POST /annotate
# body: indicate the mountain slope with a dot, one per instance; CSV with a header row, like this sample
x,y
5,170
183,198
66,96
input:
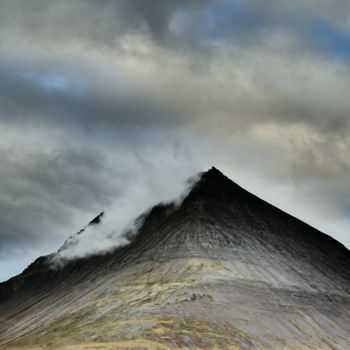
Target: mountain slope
x,y
224,270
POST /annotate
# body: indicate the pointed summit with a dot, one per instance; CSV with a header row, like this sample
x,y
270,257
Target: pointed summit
x,y
213,175
214,188
214,171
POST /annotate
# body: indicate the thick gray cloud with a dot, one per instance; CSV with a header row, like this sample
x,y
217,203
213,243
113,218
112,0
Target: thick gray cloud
x,y
42,189
96,22
111,105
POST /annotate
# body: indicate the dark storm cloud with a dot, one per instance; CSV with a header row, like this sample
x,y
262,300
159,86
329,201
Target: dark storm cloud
x,y
43,189
59,98
179,23
100,22
47,97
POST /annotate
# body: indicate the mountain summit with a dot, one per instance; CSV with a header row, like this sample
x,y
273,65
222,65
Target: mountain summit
x,y
223,270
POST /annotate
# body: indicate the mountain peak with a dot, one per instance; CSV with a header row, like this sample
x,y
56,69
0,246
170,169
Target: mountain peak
x,y
214,170
213,186
213,174
272,280
214,177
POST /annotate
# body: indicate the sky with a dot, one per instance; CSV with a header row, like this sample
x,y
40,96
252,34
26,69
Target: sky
x,y
112,105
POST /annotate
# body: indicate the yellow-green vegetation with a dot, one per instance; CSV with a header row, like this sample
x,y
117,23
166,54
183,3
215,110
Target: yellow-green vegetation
x,y
144,307
128,314
163,334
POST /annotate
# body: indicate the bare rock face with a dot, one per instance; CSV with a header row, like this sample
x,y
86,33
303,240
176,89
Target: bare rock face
x,y
224,270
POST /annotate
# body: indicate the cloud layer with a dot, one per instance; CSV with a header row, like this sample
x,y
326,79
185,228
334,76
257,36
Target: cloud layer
x,y
111,105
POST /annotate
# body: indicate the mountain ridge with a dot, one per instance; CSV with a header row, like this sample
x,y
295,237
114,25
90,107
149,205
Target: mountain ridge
x,y
223,258
207,187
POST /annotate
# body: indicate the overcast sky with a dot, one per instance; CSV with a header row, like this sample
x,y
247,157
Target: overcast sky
x,y
111,105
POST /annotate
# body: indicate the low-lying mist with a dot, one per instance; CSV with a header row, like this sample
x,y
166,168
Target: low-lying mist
x,y
118,226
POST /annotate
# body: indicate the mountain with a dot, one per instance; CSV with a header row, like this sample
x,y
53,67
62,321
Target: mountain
x,y
223,270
